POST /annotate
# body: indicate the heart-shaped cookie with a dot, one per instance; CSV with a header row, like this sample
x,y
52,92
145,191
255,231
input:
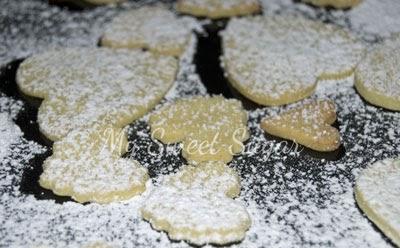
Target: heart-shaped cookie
x,y
377,192
309,125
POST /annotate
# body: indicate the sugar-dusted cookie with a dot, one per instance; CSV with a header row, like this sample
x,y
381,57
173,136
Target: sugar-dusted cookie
x,y
212,176
154,28
215,9
82,86
210,128
84,3
196,216
309,125
338,4
275,60
377,192
377,76
87,165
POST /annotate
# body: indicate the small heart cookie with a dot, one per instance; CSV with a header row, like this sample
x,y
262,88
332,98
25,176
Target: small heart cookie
x,y
210,128
309,125
87,166
154,28
215,9
377,192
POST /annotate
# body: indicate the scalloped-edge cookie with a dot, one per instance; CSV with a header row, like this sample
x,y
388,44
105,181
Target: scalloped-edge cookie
x,y
210,128
377,76
309,125
196,216
377,192
151,27
338,4
82,86
276,60
215,9
87,166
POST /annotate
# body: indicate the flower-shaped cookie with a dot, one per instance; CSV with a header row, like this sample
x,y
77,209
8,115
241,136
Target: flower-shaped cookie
x,y
210,128
154,28
87,165
195,205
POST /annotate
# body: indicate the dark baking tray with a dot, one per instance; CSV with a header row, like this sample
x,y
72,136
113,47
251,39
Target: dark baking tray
x,y
208,67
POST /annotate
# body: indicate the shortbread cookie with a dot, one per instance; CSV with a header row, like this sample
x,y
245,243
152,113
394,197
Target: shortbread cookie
x,y
87,166
275,60
154,28
210,128
309,125
82,86
215,9
211,176
377,192
377,76
196,215
338,4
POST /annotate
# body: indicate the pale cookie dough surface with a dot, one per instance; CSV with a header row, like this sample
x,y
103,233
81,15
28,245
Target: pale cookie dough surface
x,y
339,4
154,28
377,76
210,128
275,60
87,166
377,192
81,86
196,216
211,176
215,9
309,125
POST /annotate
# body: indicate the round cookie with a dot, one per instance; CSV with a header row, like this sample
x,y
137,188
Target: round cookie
x,y
211,176
377,192
276,60
210,128
154,28
215,9
196,216
377,76
338,4
87,166
82,86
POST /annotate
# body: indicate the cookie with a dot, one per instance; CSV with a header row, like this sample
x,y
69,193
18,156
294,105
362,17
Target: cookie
x,y
87,166
195,205
215,9
154,28
309,125
212,176
210,128
377,76
276,60
377,192
82,86
338,4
